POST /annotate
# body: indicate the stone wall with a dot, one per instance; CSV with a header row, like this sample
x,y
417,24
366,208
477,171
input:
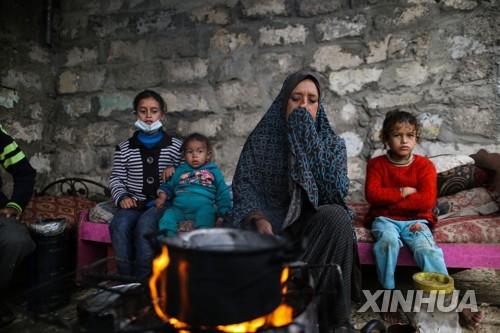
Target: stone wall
x,y
220,63
27,81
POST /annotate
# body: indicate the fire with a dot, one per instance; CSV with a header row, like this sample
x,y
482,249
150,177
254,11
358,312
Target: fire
x,y
281,316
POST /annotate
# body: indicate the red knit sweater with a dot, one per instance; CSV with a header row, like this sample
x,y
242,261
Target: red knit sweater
x,y
382,189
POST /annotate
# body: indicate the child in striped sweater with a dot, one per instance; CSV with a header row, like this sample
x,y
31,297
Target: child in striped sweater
x,y
138,165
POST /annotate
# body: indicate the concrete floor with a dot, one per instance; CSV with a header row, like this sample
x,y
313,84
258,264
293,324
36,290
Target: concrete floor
x,y
485,283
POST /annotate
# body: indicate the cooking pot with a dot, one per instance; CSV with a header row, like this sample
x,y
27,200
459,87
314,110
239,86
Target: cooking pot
x,y
223,276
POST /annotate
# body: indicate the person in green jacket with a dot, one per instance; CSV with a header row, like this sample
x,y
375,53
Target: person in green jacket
x,y
15,241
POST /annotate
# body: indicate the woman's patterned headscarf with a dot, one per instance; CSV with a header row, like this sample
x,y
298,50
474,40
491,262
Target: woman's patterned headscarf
x,y
281,153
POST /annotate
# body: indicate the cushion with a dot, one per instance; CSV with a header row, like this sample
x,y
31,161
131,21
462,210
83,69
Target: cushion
x,y
449,161
51,207
460,178
360,210
475,201
458,229
468,229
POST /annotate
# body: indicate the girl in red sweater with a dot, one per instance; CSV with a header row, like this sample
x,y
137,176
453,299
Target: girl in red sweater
x,y
401,189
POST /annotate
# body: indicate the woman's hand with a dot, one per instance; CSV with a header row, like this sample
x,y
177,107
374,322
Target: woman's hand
x,y
406,191
264,227
128,203
167,173
10,212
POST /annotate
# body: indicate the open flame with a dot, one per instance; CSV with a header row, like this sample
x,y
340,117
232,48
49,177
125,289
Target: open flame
x,y
281,316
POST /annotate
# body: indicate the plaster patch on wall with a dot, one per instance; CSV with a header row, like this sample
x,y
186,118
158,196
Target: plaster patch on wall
x,y
8,98
41,163
353,142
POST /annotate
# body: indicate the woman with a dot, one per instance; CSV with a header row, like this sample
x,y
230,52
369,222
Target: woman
x,y
137,166
292,179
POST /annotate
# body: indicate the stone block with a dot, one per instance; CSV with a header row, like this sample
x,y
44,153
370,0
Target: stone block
x,y
353,142
478,91
409,74
471,119
68,82
283,63
41,162
127,51
76,107
344,115
112,25
475,68
334,57
8,97
382,101
431,125
235,94
235,66
461,46
17,79
135,76
100,133
318,7
263,8
244,123
90,7
64,134
181,44
397,47
83,81
77,56
36,111
73,26
39,54
209,126
71,162
109,102
187,99
378,50
105,161
352,80
211,15
399,17
152,22
337,27
185,70
226,153
226,42
291,34
460,4
27,132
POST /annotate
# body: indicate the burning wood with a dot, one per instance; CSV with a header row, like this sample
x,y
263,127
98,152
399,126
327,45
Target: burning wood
x,y
281,316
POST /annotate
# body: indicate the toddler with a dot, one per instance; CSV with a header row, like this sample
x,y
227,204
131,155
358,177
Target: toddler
x,y
197,187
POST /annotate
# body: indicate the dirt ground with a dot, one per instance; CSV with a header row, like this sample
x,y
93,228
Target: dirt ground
x,y
484,282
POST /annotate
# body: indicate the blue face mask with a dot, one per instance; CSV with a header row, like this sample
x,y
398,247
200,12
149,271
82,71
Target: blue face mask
x,y
146,128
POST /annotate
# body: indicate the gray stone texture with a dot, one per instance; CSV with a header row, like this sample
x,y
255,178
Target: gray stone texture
x,y
262,8
219,64
338,27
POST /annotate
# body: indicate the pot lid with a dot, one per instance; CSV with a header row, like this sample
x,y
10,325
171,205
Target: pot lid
x,y
225,240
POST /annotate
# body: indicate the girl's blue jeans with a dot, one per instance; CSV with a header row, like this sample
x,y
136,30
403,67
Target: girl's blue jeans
x,y
128,229
391,234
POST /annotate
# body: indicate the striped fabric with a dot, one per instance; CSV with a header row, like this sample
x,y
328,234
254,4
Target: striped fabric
x,y
13,159
10,154
131,171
